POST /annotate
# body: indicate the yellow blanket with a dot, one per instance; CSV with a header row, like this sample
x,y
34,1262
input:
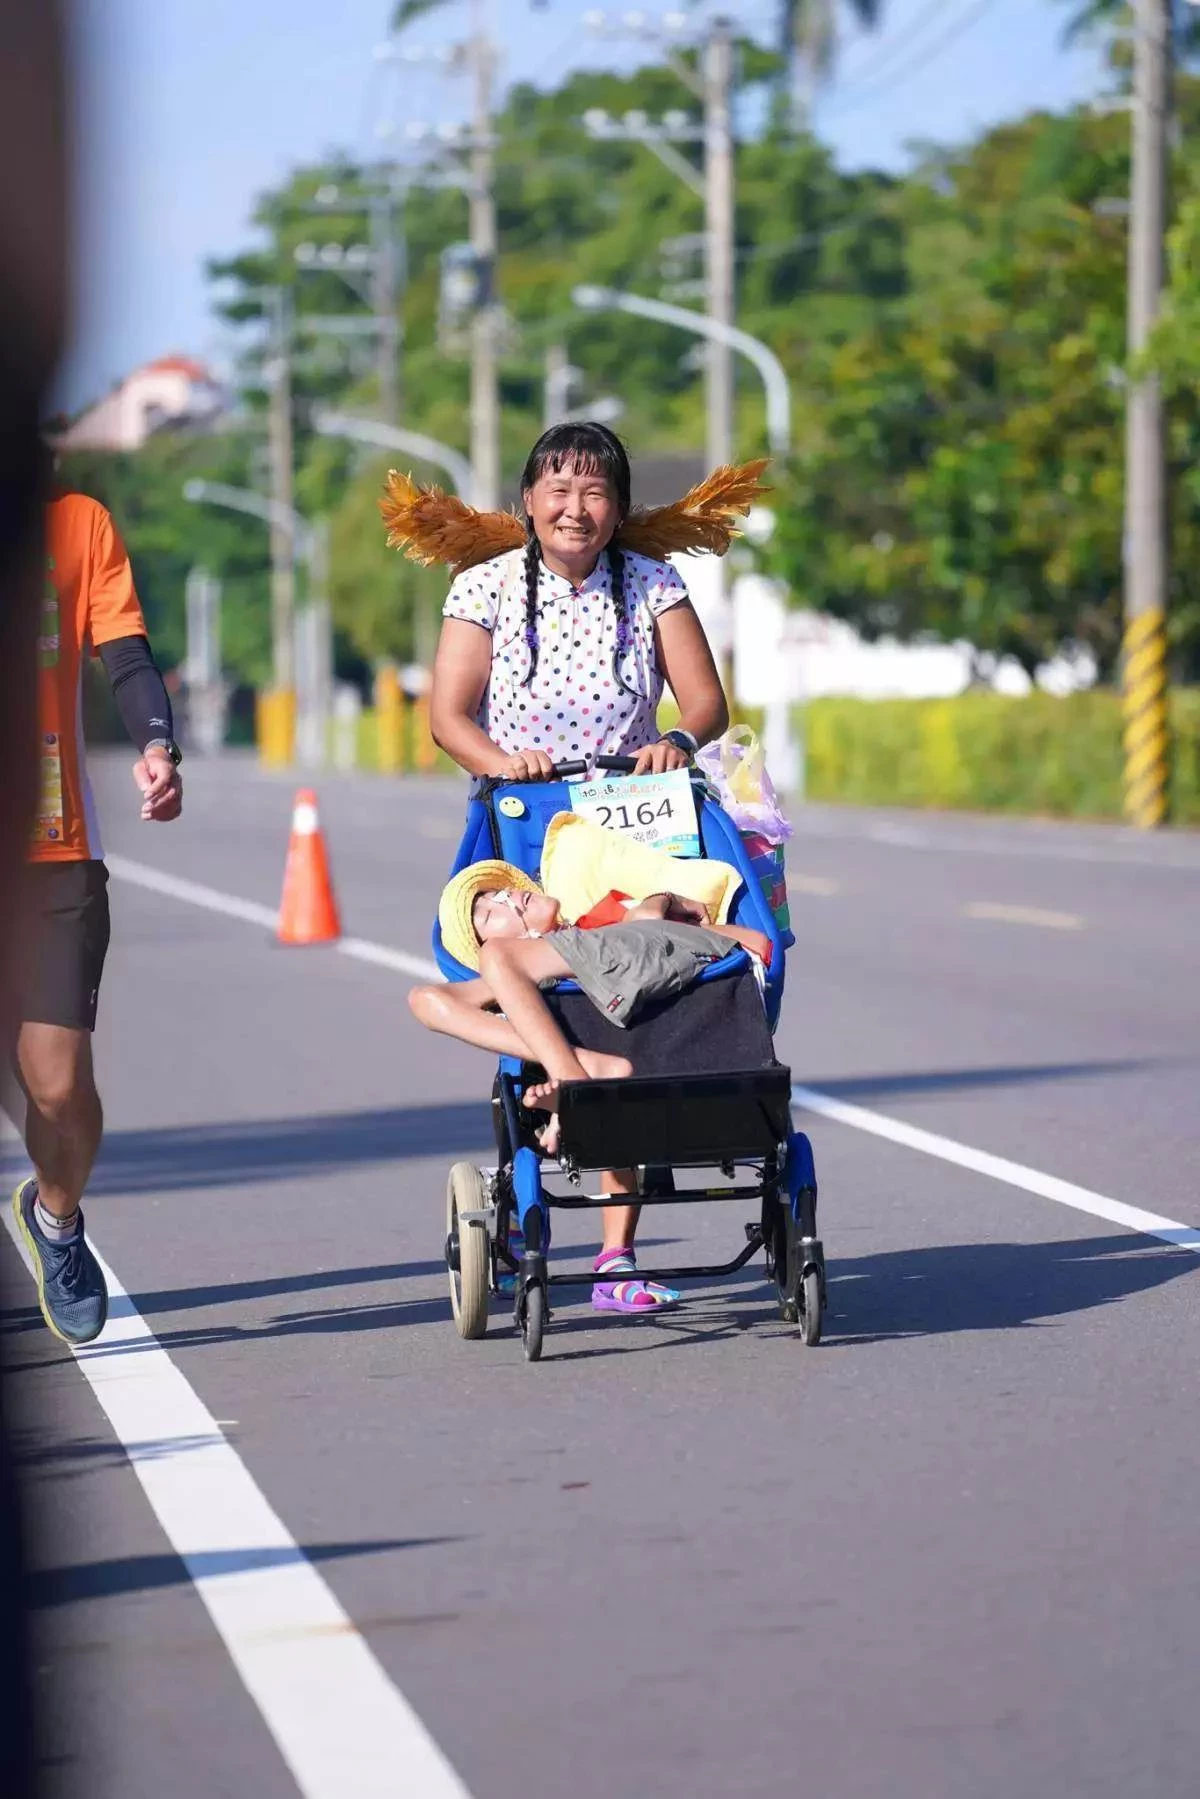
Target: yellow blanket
x,y
582,863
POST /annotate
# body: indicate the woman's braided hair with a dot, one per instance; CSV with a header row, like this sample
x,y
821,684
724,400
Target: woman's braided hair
x,y
587,449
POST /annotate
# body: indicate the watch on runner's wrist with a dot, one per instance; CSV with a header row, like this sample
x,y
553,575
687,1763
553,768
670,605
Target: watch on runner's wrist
x,y
166,743
683,740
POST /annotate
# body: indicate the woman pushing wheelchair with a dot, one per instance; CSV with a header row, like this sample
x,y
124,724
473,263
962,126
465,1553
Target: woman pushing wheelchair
x,y
559,634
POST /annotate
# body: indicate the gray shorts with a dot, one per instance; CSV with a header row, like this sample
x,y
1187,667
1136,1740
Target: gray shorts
x,y
622,967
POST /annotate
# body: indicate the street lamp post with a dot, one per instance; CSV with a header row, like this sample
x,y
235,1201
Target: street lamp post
x,y
383,436
786,751
774,377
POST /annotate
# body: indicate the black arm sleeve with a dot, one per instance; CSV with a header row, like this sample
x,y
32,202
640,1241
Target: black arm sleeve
x,y
138,689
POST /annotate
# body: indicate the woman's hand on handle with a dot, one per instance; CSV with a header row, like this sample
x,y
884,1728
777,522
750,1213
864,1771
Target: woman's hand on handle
x,y
658,758
525,765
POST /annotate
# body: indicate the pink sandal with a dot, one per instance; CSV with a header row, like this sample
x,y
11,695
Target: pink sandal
x,y
634,1298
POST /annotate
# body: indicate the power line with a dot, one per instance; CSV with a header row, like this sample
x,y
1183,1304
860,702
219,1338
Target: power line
x,y
925,55
884,54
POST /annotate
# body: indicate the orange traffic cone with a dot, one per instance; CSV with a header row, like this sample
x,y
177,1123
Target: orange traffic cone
x,y
308,911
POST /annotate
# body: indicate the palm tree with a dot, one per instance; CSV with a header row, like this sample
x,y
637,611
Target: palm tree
x,y
808,29
808,37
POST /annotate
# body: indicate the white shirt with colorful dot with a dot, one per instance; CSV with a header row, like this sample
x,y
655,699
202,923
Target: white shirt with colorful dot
x,y
574,706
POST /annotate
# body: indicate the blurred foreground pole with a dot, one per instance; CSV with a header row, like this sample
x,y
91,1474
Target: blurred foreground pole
x,y
1144,682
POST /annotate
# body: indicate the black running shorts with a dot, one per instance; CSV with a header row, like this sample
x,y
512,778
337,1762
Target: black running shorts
x,y
61,980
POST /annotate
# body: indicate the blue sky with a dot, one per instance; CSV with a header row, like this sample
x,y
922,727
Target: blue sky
x,y
187,109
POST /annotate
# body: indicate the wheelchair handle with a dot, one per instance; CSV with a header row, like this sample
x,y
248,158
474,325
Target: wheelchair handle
x,y
617,765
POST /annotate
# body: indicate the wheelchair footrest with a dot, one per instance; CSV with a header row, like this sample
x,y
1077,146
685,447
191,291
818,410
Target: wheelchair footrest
x,y
687,1119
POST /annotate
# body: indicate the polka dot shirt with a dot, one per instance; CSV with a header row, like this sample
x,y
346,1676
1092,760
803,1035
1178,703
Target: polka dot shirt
x,y
574,706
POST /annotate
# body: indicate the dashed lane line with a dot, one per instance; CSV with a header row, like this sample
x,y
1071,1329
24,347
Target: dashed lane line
x,y
1000,913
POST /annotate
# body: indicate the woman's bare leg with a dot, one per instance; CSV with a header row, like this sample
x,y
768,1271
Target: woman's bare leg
x,y
619,1223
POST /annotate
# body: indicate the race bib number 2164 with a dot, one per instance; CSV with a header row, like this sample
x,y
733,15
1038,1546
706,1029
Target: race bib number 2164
x,y
658,810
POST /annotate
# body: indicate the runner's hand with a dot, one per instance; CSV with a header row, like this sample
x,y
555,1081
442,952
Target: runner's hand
x,y
526,765
161,788
658,757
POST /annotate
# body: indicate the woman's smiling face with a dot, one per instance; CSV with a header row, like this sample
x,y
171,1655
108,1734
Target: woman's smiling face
x,y
574,515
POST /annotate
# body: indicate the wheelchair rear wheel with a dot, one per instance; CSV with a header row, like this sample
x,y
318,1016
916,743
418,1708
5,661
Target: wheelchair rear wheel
x,y
799,1281
468,1250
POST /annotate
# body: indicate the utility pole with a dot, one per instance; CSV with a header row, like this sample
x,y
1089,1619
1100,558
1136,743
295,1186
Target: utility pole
x,y
283,549
386,277
1144,681
485,397
719,234
559,380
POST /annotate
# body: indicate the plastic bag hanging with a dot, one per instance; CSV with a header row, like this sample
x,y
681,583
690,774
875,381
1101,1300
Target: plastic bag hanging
x,y
736,769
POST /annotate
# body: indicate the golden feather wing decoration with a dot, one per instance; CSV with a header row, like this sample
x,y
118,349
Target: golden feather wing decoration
x,y
431,526
702,520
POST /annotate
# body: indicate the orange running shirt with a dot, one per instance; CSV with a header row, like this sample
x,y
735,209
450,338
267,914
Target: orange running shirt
x,y
88,599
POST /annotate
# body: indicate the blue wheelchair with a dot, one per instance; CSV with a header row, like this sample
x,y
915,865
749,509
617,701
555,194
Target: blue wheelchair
x,y
707,1093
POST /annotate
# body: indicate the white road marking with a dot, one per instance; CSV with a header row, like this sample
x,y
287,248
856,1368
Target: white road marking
x,y
398,960
876,1124
194,893
340,1723
1035,915
1007,839
998,1168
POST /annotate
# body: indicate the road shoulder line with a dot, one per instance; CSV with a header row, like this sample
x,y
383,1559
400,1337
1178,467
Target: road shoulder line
x,y
997,1168
340,1723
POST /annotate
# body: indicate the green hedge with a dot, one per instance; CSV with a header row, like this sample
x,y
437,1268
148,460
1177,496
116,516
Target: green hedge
x,y
979,751
988,753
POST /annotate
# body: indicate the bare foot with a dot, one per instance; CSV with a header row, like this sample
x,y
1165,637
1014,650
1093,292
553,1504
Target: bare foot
x,y
543,1095
550,1136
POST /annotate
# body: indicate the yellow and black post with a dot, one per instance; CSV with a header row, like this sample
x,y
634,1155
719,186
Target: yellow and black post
x,y
1144,691
1144,663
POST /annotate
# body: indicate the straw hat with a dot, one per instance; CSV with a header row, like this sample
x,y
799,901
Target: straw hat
x,y
458,902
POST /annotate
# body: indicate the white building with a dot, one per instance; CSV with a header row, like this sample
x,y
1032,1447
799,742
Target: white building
x,y
174,393
783,654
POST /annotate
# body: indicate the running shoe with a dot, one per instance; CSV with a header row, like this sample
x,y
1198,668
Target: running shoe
x,y
71,1290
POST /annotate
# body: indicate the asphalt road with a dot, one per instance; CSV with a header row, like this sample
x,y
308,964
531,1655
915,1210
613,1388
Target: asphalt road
x,y
951,1553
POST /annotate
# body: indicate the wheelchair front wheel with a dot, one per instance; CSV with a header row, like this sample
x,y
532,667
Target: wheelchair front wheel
x,y
468,1250
811,1302
533,1322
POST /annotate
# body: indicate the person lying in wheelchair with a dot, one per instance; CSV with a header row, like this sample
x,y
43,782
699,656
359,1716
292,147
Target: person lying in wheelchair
x,y
623,955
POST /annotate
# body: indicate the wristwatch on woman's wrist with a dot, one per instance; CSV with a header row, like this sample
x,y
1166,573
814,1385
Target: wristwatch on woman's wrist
x,y
683,740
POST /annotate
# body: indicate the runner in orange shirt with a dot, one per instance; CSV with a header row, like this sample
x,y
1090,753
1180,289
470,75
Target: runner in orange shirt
x,y
88,606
